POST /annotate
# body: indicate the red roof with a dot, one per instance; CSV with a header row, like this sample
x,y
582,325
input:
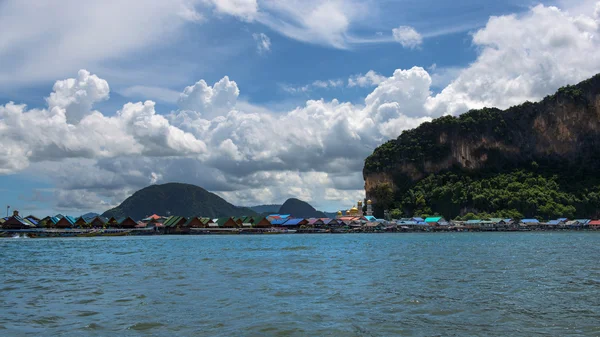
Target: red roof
x,y
154,216
594,223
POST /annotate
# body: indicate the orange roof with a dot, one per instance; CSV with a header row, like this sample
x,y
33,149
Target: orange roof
x,y
154,216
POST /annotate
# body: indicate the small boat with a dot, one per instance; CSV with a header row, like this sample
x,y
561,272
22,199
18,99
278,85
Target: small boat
x,y
89,234
115,233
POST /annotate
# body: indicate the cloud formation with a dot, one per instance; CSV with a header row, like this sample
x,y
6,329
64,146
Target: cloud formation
x,y
315,151
263,43
407,36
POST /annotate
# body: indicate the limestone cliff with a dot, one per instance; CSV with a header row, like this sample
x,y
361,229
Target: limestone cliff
x,y
562,130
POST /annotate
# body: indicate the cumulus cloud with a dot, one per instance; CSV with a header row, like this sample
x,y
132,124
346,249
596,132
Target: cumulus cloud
x,y
371,78
209,101
407,36
70,129
523,58
263,43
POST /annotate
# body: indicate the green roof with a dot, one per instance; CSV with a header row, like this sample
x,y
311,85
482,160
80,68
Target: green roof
x,y
172,221
221,221
433,219
496,219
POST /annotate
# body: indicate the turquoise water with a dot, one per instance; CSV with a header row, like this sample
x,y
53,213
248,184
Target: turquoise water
x,y
447,284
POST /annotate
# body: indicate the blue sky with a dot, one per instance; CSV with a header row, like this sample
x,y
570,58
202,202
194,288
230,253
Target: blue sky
x,y
285,119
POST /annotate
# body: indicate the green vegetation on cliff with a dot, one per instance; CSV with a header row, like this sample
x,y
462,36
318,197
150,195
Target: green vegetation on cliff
x,y
535,159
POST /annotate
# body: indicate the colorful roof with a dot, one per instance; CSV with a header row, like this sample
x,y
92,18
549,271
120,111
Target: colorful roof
x,y
530,221
594,223
221,221
152,217
433,219
70,219
293,222
172,221
370,218
277,221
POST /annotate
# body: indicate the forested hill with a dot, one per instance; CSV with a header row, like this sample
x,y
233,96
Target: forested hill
x,y
176,199
535,159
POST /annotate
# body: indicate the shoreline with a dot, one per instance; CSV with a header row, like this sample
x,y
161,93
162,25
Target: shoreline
x,y
58,233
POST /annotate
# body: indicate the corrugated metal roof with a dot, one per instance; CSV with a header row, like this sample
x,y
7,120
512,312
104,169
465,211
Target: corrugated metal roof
x,y
293,221
530,221
172,221
276,221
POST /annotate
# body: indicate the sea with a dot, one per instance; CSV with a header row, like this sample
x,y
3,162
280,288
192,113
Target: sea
x,y
402,284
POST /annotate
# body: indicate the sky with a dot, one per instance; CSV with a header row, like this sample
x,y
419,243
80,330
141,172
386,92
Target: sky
x,y
256,100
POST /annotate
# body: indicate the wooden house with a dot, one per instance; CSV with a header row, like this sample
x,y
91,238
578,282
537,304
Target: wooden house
x,y
261,222
17,222
436,221
112,223
594,224
97,222
194,222
226,223
295,223
66,222
81,223
127,222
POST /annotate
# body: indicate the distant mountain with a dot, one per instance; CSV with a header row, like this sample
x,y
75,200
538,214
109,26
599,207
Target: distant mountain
x,y
262,209
90,215
176,199
330,215
300,209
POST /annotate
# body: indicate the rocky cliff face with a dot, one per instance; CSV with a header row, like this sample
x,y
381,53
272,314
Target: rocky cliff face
x,y
562,130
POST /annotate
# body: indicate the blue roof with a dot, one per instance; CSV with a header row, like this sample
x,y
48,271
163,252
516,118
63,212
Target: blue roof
x,y
32,220
54,220
70,219
370,218
292,222
278,221
530,221
418,219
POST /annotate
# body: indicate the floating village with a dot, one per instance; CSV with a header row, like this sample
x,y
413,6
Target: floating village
x,y
353,220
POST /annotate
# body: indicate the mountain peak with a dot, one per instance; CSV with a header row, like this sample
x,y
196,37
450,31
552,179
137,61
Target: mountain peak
x,y
300,209
176,199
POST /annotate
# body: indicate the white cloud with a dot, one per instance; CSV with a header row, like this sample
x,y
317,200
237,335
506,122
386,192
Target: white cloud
x,y
313,21
371,78
70,129
407,36
44,40
243,9
209,101
263,43
523,58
